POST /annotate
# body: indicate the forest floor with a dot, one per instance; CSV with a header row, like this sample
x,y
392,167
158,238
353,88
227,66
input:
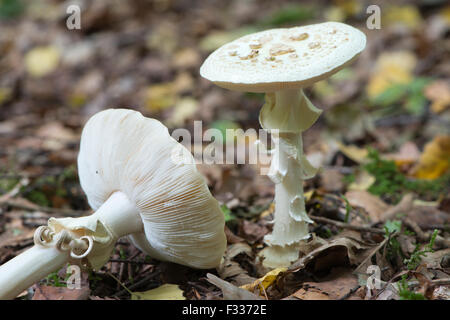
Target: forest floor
x,y
380,199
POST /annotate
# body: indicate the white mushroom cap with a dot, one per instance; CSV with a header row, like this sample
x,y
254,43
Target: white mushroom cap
x,y
286,58
121,150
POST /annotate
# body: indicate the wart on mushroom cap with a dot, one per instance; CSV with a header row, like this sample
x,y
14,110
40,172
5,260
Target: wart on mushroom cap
x,y
280,62
127,169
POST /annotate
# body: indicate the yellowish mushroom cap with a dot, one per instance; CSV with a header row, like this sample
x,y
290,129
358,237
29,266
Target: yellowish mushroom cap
x,y
286,58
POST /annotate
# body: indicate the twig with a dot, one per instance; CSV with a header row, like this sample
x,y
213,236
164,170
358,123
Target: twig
x,y
120,283
441,282
347,225
425,236
130,261
348,294
139,283
56,211
14,191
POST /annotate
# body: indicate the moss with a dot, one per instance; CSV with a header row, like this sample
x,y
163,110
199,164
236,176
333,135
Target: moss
x,y
405,293
391,184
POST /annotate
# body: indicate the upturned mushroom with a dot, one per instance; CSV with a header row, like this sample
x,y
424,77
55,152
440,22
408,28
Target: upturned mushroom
x,y
127,171
280,63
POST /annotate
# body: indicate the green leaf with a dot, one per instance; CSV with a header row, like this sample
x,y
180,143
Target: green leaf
x,y
393,226
11,8
293,13
418,84
416,103
226,212
391,95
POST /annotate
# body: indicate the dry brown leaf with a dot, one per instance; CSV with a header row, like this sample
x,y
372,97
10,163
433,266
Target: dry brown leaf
x,y
231,292
332,180
340,283
374,206
407,154
253,231
439,94
61,293
232,270
433,260
337,252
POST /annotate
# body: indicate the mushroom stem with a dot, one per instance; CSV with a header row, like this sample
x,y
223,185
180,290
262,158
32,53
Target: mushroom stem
x,y
286,114
119,215
23,271
290,214
70,239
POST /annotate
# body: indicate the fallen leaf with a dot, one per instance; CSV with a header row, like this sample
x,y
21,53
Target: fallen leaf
x,y
435,159
159,97
5,94
439,94
363,180
407,154
184,109
230,269
186,58
41,61
253,231
427,216
56,136
231,292
374,206
340,283
353,152
231,237
391,68
164,292
60,293
434,260
347,248
441,293
263,283
332,180
406,15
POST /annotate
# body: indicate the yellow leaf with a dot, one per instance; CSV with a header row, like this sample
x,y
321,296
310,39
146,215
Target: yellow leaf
x,y
41,61
391,68
363,181
263,283
435,159
164,292
160,96
335,13
349,7
445,14
268,211
353,152
386,78
408,16
5,94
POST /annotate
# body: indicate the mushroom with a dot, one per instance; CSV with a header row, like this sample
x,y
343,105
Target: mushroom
x,y
280,63
127,171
